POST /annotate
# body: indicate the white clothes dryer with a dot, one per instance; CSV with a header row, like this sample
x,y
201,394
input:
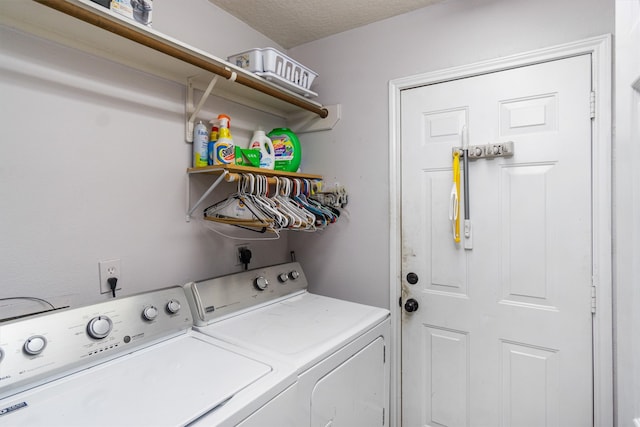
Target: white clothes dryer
x,y
339,349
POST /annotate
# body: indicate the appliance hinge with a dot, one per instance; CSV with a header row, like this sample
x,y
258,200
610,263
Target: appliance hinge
x,y
592,105
593,299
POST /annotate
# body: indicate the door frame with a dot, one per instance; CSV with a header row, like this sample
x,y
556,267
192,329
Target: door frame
x,y
600,50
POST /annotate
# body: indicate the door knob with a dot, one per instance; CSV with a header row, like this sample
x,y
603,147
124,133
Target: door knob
x,y
412,278
411,305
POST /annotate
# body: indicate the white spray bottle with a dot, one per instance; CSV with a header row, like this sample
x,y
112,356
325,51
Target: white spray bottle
x,y
261,141
200,141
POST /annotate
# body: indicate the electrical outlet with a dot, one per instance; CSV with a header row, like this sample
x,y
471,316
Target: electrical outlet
x,y
108,269
238,249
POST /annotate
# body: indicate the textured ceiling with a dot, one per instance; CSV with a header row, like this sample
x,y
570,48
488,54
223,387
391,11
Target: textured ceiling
x,y
294,22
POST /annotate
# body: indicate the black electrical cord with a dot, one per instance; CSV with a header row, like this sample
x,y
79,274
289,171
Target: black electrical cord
x,y
113,281
53,308
31,299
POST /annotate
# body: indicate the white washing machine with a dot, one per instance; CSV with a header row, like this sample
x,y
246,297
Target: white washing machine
x,y
133,361
339,349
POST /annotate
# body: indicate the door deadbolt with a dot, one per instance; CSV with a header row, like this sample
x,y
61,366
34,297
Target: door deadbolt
x,y
412,278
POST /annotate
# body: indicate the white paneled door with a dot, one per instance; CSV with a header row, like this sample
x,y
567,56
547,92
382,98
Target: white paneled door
x,y
502,334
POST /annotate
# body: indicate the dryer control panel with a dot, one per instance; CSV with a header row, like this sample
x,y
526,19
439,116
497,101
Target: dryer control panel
x,y
43,346
222,296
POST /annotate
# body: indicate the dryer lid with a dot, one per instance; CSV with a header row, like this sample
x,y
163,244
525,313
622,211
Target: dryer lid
x,y
301,329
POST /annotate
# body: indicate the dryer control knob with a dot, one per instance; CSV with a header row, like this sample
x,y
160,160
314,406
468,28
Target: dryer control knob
x,y
261,283
35,345
150,313
293,275
1,355
282,277
173,306
99,327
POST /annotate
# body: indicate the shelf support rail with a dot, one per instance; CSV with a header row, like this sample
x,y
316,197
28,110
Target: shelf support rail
x,y
204,196
192,113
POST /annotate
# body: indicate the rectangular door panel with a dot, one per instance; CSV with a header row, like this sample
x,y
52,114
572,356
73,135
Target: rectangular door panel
x,y
525,241
530,378
446,394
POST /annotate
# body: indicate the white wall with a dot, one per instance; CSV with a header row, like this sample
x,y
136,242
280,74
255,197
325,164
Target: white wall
x,y
92,167
92,157
351,261
201,24
627,212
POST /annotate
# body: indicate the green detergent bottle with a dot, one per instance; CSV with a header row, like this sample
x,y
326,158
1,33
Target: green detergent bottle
x,y
286,148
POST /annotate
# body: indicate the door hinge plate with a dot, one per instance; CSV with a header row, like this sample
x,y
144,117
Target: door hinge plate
x,y
592,105
593,299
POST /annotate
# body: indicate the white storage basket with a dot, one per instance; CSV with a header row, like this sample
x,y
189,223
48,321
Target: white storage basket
x,y
276,67
250,60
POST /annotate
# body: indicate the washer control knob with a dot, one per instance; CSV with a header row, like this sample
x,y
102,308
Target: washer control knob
x,y
35,344
149,313
1,355
293,275
261,283
282,277
173,306
99,327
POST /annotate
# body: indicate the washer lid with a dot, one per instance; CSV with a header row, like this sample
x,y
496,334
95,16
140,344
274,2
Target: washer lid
x,y
302,329
168,384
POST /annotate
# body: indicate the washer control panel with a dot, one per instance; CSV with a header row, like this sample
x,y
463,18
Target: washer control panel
x,y
220,296
39,347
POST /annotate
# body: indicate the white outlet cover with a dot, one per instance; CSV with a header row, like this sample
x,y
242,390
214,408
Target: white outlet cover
x,y
111,268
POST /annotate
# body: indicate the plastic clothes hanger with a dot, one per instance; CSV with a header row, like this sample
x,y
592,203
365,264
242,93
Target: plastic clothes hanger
x,y
295,221
320,218
331,212
238,209
267,205
305,219
303,207
323,214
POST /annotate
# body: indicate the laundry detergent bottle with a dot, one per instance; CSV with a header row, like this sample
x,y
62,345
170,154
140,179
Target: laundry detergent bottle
x,y
286,148
262,142
223,147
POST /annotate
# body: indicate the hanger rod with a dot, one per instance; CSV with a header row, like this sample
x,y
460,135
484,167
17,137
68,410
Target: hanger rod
x,y
166,48
234,177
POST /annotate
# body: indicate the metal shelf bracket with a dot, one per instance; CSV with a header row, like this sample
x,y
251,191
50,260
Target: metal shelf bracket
x,y
191,112
213,186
